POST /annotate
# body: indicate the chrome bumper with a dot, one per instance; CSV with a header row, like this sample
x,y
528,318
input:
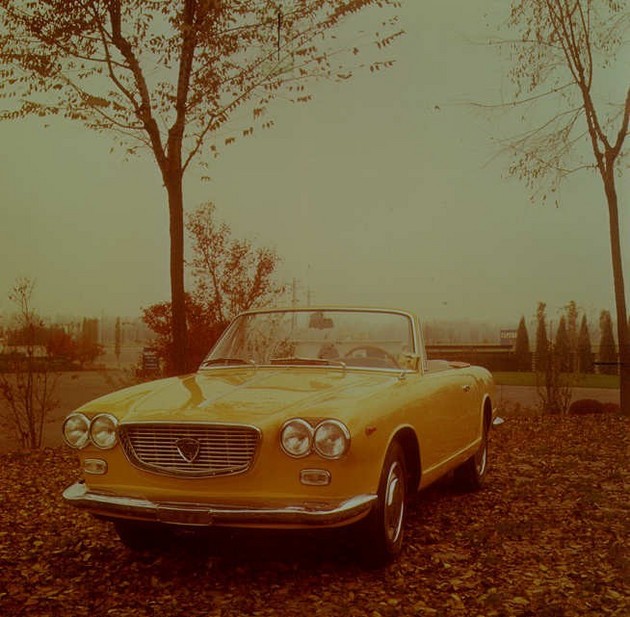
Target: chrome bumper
x,y
198,514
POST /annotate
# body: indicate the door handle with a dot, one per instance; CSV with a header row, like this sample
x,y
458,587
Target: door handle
x,y
466,388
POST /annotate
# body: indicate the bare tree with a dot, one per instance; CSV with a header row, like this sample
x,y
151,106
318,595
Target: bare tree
x,y
230,275
554,386
562,50
28,387
166,76
554,378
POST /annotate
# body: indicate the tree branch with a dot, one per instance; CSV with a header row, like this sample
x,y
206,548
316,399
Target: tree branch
x,y
110,68
187,53
529,99
144,111
623,130
586,25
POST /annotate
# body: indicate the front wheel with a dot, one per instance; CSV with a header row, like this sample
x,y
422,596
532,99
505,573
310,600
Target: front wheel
x,y
383,529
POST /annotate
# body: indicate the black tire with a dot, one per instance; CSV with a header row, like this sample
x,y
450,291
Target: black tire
x,y
383,530
139,536
471,474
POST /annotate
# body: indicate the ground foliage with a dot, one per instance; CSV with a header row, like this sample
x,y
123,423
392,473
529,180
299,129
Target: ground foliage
x,y
544,538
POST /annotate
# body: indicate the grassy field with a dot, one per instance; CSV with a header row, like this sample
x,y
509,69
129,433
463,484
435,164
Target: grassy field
x,y
583,381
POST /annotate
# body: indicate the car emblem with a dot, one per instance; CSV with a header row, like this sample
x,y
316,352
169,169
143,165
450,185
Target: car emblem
x,y
188,449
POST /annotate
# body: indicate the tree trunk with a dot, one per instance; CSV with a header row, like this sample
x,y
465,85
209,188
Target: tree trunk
x,y
179,356
620,293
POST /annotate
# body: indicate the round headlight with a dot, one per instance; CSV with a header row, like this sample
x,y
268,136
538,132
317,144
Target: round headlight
x,y
331,439
103,431
296,438
76,430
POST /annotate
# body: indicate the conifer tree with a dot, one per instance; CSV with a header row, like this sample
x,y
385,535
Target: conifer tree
x,y
571,311
607,356
584,350
562,347
521,349
542,342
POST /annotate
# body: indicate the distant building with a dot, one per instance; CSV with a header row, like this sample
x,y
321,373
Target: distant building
x,y
508,338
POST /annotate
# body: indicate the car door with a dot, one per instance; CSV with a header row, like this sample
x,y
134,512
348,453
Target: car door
x,y
443,416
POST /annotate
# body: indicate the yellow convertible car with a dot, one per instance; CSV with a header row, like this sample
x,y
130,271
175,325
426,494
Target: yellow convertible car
x,y
298,418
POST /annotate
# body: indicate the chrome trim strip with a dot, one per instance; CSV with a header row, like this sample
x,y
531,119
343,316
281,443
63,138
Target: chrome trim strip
x,y
325,367
202,423
199,514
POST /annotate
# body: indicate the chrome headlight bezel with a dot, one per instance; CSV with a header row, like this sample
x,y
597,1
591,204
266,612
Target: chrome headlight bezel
x,y
292,429
108,423
322,434
82,426
313,438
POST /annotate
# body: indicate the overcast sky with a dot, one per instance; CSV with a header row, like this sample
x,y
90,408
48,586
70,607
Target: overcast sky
x,y
385,190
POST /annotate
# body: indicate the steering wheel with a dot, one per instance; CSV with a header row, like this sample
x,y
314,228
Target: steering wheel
x,y
373,351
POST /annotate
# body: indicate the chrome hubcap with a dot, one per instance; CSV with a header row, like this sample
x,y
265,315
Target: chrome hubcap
x,y
394,502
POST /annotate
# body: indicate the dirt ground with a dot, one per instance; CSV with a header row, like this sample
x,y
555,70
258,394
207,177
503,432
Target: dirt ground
x,y
546,537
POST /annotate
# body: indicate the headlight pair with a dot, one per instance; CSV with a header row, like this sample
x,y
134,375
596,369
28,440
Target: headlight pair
x,y
330,438
79,430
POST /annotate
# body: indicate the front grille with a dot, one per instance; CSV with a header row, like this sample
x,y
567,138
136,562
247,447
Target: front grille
x,y
194,450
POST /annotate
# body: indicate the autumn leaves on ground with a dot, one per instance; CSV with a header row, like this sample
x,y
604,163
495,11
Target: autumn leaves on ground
x,y
546,537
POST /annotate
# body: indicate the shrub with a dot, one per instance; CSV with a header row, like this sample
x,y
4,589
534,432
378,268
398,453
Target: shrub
x,y
586,406
611,408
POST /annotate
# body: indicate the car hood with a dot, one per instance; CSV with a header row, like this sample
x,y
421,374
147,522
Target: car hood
x,y
244,395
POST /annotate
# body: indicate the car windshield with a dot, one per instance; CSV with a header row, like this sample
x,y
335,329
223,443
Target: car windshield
x,y
345,338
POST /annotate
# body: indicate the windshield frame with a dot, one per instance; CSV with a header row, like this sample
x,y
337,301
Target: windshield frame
x,y
415,340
